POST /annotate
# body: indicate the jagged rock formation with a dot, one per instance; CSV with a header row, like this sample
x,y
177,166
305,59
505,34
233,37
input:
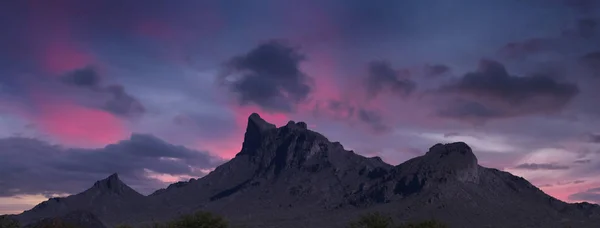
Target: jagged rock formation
x,y
294,177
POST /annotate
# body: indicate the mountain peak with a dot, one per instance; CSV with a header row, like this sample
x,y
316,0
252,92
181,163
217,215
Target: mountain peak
x,y
452,149
255,130
255,121
454,157
111,184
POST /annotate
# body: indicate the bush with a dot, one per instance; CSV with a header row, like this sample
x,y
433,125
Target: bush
x,y
8,222
373,220
378,220
425,224
124,226
199,220
50,223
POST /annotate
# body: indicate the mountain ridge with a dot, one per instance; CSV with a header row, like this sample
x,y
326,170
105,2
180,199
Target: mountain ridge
x,y
291,176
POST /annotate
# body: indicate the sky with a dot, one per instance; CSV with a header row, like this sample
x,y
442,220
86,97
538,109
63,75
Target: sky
x,y
160,91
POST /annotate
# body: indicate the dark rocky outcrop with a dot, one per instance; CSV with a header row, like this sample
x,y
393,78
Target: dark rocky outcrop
x,y
292,176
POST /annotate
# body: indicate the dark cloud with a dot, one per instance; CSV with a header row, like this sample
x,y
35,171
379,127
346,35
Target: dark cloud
x,y
593,138
117,100
121,103
436,70
585,161
581,35
352,113
527,47
31,166
373,119
591,61
541,166
591,195
583,7
490,92
470,110
451,134
268,76
381,77
341,109
587,27
85,77
560,183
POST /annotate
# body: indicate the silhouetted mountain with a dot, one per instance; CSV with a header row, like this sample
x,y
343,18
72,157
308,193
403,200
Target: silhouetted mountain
x,y
109,199
294,177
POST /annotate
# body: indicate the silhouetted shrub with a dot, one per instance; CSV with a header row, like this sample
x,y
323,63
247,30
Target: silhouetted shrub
x,y
425,224
124,226
373,220
379,220
8,222
199,220
50,223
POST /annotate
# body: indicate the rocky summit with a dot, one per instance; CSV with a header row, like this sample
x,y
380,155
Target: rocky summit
x,y
291,176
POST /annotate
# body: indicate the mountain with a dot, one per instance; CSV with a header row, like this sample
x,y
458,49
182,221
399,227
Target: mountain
x,y
294,177
110,199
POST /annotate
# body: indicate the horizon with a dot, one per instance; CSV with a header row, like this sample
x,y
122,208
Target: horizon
x,y
161,93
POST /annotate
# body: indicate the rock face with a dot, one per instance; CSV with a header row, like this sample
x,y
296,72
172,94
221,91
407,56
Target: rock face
x,y
294,177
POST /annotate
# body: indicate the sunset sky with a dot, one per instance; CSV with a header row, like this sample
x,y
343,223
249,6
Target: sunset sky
x,y
160,91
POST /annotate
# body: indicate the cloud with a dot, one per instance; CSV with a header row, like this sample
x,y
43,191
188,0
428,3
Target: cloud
x,y
381,77
268,76
583,6
351,114
527,47
593,138
585,161
30,166
84,77
373,119
451,134
116,100
560,183
587,27
121,103
541,166
591,61
436,70
469,110
591,195
490,93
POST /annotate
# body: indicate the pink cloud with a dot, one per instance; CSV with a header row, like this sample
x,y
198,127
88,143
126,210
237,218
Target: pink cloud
x,y
80,126
60,56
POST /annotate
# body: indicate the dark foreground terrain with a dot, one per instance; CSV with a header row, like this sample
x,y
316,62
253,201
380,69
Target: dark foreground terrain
x,y
294,177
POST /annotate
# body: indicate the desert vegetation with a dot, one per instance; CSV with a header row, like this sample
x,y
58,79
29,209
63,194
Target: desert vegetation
x,y
209,220
380,220
8,222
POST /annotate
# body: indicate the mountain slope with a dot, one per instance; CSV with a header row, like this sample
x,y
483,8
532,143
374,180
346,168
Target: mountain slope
x,y
73,219
109,199
289,168
294,177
